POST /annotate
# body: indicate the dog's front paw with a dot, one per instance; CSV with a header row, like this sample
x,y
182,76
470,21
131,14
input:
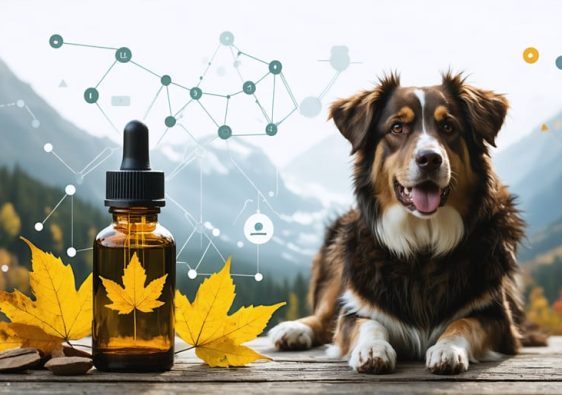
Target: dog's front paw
x,y
374,357
291,335
447,358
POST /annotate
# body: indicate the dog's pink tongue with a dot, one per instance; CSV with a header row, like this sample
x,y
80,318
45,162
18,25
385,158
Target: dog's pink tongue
x,y
426,198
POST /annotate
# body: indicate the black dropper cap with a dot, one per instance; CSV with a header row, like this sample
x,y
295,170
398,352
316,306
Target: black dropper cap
x,y
135,184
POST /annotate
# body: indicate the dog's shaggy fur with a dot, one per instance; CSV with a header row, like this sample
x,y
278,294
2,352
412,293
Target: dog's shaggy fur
x,y
431,275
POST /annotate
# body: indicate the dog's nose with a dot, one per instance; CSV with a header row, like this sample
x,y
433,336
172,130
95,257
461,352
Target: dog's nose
x,y
428,160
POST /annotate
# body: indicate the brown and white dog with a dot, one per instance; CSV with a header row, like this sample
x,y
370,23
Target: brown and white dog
x,y
425,266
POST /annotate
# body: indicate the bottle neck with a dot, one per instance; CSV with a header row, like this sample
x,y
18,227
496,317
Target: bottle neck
x,y
126,216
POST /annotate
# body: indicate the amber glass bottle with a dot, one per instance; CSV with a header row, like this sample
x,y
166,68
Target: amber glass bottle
x,y
134,268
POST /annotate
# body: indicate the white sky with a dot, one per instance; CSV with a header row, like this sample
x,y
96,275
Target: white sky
x,y
417,38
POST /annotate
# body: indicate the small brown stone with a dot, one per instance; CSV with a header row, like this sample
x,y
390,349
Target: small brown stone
x,y
18,359
69,366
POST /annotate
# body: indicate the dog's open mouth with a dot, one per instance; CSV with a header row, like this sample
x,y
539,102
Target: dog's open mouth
x,y
425,197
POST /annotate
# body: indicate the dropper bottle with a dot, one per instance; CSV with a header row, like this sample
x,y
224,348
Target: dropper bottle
x,y
134,268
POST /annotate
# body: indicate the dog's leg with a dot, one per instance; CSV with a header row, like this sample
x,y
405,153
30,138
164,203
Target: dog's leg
x,y
462,341
365,343
317,329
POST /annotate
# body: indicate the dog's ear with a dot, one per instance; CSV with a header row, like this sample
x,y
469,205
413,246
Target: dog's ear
x,y
486,110
354,116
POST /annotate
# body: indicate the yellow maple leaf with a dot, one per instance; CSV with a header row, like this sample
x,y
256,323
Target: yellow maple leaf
x,y
13,335
59,310
134,295
216,336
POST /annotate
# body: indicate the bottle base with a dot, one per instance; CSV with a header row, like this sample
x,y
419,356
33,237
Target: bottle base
x,y
134,360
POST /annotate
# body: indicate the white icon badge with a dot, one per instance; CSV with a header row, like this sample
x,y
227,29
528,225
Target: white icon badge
x,y
258,229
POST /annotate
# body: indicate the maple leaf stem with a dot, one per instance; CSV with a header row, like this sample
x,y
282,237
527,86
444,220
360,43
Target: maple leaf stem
x,y
79,345
185,349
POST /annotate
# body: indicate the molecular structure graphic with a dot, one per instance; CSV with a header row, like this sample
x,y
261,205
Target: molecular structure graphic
x,y
339,60
21,104
258,228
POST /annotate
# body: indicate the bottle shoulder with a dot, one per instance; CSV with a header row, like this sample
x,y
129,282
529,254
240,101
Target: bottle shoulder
x,y
118,236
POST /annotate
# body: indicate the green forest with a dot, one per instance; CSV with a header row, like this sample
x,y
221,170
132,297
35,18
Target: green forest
x,y
25,201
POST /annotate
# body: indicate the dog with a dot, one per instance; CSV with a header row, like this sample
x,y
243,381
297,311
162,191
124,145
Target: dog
x,y
425,266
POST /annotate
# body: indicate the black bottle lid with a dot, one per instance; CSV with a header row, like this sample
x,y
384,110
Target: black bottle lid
x,y
135,184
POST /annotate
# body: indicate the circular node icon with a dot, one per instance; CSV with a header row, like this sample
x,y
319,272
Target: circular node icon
x,y
249,87
192,274
170,121
225,132
35,123
20,103
558,62
4,268
226,38
56,41
275,67
123,55
216,232
258,228
271,194
258,277
239,244
339,58
195,93
48,147
310,106
166,80
38,226
71,252
236,64
91,95
271,129
530,55
70,190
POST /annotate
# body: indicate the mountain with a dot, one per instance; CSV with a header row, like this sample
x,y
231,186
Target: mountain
x,y
230,174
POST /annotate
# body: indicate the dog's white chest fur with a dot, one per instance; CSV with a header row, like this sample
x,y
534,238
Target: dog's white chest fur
x,y
405,234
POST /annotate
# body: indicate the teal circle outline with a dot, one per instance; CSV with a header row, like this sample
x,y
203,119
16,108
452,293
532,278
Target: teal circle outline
x,y
558,62
56,37
166,80
226,38
271,129
195,93
275,67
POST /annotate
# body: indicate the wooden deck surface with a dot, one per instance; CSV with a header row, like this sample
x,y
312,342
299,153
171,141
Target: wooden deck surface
x,y
536,370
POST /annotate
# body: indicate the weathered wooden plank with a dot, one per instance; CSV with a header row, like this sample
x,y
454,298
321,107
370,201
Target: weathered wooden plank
x,y
465,388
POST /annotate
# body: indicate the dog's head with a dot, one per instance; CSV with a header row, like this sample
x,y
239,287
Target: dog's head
x,y
420,149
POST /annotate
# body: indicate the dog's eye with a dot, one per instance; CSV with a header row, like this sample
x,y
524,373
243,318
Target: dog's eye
x,y
447,127
397,128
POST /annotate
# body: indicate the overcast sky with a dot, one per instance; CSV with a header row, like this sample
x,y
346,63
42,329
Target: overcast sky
x,y
418,38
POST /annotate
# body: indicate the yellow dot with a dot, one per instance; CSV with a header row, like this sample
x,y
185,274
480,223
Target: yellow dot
x,y
530,55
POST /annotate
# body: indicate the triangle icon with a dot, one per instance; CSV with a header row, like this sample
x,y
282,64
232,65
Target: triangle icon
x,y
544,127
62,84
